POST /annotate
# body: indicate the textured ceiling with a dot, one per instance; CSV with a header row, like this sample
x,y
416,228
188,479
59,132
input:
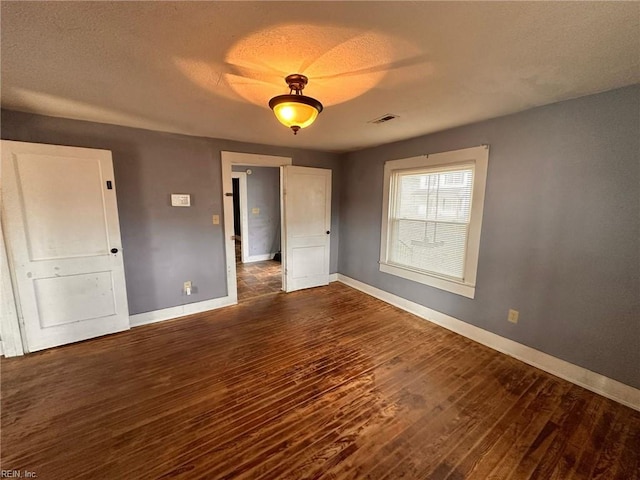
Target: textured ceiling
x,y
209,68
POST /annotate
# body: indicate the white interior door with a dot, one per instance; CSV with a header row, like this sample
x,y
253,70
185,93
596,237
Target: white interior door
x,y
63,240
307,214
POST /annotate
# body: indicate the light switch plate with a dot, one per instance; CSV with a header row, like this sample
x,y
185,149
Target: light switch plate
x,y
216,219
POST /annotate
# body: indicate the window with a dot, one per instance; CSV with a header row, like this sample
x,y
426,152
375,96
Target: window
x,y
432,218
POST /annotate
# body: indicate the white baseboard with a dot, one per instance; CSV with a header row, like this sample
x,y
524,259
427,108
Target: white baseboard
x,y
605,386
1,350
180,311
259,258
333,277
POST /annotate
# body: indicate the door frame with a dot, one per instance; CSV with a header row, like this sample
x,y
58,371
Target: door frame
x,y
244,214
13,340
227,160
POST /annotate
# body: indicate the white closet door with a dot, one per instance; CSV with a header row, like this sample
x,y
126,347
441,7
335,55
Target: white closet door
x,y
63,238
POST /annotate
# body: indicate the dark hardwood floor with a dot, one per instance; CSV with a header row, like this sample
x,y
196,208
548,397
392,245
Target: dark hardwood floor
x,y
324,383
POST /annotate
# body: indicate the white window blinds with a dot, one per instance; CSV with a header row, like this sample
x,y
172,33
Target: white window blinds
x,y
429,215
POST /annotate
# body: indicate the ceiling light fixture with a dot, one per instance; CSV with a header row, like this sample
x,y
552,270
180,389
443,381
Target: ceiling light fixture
x,y
295,110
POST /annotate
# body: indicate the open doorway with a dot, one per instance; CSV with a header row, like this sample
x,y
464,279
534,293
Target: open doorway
x,y
305,217
257,230
247,160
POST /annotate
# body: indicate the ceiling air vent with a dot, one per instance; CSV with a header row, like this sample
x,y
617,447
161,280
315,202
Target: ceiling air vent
x,y
385,118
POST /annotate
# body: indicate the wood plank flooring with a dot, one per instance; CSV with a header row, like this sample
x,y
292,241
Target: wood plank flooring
x,y
325,383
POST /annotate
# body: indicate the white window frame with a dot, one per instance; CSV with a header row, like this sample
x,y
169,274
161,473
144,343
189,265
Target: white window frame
x,y
479,156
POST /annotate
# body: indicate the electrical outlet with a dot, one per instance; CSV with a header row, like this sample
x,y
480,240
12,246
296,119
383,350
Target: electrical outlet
x,y
255,211
186,289
513,316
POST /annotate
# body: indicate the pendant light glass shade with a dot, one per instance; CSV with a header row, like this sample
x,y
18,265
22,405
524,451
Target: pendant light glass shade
x,y
295,111
291,112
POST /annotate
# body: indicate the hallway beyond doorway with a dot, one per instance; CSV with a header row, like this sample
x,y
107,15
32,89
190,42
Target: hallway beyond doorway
x,y
257,278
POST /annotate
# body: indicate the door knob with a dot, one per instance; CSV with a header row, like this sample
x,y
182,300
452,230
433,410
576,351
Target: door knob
x,y
114,250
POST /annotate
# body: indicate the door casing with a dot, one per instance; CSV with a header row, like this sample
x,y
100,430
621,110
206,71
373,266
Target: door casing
x,y
228,159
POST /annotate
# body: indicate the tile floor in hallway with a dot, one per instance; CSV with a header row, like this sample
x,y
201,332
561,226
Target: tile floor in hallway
x,y
257,278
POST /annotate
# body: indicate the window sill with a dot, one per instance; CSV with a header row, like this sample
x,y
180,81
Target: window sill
x,y
462,289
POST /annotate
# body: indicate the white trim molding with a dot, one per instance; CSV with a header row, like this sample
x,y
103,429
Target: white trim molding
x,y
188,309
12,344
475,159
227,159
180,311
598,383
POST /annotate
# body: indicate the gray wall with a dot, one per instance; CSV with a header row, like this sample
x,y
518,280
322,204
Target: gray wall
x,y
560,234
263,192
162,245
